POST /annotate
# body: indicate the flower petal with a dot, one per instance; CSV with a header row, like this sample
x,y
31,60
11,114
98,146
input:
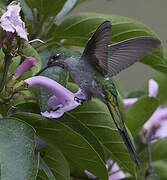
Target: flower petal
x,y
152,88
64,95
90,175
129,102
63,98
162,130
115,172
52,114
61,110
11,21
80,94
154,120
53,102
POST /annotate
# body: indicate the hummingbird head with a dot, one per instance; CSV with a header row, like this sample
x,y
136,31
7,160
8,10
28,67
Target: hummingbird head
x,y
59,57
56,59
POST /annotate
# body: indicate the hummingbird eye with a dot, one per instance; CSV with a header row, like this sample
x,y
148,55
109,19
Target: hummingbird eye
x,y
56,56
54,59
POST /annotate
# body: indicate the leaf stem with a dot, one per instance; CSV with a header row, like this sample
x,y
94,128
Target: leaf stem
x,y
149,171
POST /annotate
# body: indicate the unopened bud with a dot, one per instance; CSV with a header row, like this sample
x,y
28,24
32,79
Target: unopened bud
x,y
27,64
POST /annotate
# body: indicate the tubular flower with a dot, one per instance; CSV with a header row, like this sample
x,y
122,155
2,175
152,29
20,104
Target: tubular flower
x,y
62,100
27,64
114,171
156,126
11,21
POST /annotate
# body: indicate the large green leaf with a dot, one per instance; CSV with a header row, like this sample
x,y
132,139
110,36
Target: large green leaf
x,y
75,148
45,169
71,121
139,113
162,82
52,156
47,7
17,144
54,164
95,115
24,107
76,30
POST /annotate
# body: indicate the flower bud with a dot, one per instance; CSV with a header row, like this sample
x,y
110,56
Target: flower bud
x,y
27,64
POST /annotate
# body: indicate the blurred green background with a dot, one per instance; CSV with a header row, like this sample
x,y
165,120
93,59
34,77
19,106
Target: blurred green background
x,y
151,12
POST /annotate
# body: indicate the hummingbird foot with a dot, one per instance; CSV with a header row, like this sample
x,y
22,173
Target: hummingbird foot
x,y
79,100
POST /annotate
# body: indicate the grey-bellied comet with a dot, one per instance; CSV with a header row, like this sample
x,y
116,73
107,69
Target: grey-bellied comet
x,y
93,70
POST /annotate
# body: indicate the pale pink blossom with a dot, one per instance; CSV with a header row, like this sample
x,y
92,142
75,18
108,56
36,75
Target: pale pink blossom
x,y
62,100
114,172
11,21
156,126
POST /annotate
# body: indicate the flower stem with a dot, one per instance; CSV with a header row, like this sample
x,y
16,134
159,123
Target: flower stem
x,y
150,170
4,71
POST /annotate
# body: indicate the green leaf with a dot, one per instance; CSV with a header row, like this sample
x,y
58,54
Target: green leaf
x,y
76,30
17,150
71,121
46,169
47,7
160,168
15,62
162,82
95,115
73,28
3,109
30,51
139,113
158,149
54,164
68,6
24,107
74,147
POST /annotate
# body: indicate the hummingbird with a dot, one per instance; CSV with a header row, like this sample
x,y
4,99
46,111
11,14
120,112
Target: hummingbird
x,y
93,71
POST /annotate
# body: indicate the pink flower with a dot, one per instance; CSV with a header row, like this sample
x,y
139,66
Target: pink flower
x,y
11,21
62,100
27,64
156,126
129,102
114,171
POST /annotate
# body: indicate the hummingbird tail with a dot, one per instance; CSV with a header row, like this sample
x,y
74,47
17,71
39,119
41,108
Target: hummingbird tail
x,y
130,146
118,120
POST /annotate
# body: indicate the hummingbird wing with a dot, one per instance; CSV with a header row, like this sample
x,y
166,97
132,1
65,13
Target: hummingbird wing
x,y
96,51
127,52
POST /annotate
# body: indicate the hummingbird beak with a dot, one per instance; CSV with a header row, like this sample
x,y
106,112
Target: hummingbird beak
x,y
42,70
